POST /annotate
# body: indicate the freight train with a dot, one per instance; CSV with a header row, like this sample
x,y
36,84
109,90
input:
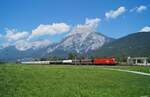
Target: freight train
x,y
95,61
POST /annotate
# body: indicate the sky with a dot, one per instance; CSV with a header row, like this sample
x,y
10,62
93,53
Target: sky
x,y
42,22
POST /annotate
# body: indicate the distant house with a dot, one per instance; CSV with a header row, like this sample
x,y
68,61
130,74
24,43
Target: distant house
x,y
143,61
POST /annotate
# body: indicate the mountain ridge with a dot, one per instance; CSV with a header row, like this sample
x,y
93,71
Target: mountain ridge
x,y
136,44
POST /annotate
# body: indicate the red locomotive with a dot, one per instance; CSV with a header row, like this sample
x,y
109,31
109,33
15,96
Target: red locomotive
x,y
96,61
104,61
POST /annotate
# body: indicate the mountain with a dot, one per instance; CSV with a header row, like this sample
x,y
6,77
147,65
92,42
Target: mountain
x,y
24,50
81,40
137,44
12,54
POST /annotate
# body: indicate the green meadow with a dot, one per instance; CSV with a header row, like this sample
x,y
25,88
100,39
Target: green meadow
x,y
145,69
71,81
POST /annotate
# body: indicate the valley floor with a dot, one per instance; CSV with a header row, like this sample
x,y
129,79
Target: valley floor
x,y
72,81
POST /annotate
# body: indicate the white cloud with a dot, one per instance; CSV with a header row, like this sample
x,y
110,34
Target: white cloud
x,y
41,43
89,26
84,29
115,13
145,29
55,28
21,42
13,35
92,22
23,45
139,9
22,39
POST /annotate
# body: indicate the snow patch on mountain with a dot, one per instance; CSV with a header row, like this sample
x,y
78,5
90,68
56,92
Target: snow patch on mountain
x,y
81,39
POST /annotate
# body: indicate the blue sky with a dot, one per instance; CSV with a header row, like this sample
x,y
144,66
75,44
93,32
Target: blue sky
x,y
27,15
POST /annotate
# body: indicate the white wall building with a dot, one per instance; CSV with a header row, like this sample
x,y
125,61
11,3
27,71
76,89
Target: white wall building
x,y
145,61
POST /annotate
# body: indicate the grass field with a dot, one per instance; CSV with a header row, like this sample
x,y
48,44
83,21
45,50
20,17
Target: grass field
x,y
134,68
71,81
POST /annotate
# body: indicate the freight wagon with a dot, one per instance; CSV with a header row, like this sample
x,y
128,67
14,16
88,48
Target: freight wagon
x,y
35,62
